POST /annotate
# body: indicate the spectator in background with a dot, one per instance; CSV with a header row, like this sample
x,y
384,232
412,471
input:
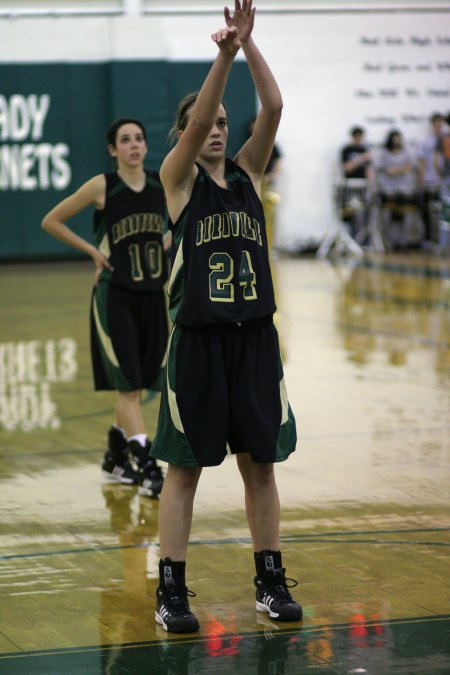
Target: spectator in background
x,y
441,163
356,160
269,195
353,198
397,183
429,179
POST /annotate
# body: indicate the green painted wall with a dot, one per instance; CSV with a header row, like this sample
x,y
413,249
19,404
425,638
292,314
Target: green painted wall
x,y
53,119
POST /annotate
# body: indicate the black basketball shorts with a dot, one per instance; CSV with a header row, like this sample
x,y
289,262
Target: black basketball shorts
x,y
129,332
224,387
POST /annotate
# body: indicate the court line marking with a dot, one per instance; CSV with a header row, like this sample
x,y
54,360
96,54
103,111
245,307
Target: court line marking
x,y
404,268
333,537
376,296
299,629
366,330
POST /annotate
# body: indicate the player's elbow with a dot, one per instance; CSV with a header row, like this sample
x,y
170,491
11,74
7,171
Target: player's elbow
x,y
276,107
47,224
275,112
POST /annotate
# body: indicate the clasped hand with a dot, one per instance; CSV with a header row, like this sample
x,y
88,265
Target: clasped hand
x,y
239,27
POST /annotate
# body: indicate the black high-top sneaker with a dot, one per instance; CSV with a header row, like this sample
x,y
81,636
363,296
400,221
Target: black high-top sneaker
x,y
272,590
116,441
151,478
116,467
172,605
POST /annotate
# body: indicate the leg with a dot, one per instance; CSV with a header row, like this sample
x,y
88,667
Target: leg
x,y
120,366
129,413
175,511
262,503
128,422
386,223
134,443
263,515
175,519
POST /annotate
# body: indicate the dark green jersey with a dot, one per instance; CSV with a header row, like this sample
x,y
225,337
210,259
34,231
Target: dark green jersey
x,y
129,231
221,271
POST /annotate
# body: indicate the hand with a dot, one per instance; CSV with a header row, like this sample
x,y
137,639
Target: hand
x,y
101,263
227,40
243,18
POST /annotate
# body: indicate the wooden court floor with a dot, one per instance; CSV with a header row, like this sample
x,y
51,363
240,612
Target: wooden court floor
x,y
365,498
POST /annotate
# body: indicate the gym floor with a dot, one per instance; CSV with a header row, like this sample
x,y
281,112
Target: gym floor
x,y
365,498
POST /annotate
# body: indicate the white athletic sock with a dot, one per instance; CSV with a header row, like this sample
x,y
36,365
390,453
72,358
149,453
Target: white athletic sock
x,y
140,438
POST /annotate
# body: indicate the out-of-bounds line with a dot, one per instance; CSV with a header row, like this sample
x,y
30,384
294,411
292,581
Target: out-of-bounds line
x,y
202,638
321,537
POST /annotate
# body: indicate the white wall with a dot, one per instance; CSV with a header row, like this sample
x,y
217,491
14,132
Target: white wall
x,y
335,69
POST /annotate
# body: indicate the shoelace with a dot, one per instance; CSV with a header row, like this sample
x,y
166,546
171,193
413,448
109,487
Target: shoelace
x,y
279,587
178,599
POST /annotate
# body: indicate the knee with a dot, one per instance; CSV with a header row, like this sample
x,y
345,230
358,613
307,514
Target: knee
x,y
261,475
184,479
130,396
265,472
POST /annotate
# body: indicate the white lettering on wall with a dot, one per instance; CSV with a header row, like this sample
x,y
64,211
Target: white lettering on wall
x,y
27,371
32,165
414,56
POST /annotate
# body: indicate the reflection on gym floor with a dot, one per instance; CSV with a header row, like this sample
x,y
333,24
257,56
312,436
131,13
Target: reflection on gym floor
x,y
365,527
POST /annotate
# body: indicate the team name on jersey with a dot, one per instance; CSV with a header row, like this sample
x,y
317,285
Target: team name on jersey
x,y
136,223
228,224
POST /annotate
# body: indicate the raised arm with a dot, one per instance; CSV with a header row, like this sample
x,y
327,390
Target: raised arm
x,y
90,193
255,153
178,170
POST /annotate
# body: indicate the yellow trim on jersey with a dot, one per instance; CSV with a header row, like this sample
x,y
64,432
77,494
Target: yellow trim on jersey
x,y
284,402
171,395
104,338
104,247
177,265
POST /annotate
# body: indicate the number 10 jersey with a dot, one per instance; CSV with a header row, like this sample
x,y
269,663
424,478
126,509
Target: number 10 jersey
x,y
129,232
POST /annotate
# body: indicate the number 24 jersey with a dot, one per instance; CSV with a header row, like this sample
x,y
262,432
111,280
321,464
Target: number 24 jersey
x,y
221,271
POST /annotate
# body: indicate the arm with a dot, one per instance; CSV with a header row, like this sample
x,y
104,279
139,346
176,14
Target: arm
x,y
275,171
399,170
91,192
178,170
357,161
255,153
